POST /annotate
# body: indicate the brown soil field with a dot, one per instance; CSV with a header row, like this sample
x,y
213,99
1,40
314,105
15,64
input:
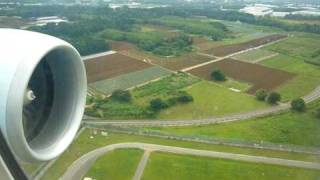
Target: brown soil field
x,y
172,63
259,76
112,65
121,46
233,48
179,63
204,44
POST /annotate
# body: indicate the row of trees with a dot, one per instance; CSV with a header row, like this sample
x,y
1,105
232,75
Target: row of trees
x,y
272,98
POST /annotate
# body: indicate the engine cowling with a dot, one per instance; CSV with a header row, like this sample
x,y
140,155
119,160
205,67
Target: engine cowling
x,y
42,93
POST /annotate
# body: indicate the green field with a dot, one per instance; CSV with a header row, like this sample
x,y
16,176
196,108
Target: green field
x,y
210,100
254,55
164,166
286,128
298,45
306,80
110,165
230,83
138,108
129,80
85,143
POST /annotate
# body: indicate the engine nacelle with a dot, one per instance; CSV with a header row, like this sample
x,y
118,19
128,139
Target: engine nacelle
x,y
42,94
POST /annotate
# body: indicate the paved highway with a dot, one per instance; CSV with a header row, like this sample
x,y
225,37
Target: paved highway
x,y
81,166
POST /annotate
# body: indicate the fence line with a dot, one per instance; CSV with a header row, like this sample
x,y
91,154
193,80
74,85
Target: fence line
x,y
209,140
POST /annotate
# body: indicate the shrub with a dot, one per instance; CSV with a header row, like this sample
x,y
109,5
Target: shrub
x,y
185,98
158,104
121,95
261,94
298,104
218,75
317,113
273,98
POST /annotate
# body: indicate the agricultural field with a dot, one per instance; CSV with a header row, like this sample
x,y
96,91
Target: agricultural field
x,y
172,63
138,108
286,128
165,166
233,48
211,99
115,161
129,80
303,46
112,65
84,144
12,22
307,75
255,56
259,76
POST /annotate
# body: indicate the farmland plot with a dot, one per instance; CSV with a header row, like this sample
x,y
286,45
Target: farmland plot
x,y
260,77
255,56
111,66
129,80
233,48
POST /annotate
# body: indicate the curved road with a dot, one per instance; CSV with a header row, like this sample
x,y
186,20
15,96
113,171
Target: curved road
x,y
81,166
315,94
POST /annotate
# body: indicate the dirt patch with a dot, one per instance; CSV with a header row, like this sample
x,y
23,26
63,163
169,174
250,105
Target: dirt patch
x,y
112,65
259,76
233,48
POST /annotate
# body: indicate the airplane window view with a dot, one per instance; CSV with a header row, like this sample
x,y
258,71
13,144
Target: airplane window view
x,y
160,89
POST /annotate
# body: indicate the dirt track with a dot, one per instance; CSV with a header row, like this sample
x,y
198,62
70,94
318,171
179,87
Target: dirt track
x,y
112,65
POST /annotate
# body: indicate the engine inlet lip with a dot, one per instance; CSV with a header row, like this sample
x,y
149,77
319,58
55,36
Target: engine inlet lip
x,y
14,124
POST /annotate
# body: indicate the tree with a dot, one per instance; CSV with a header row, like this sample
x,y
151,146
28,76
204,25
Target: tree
x,y
218,75
273,98
298,104
261,94
121,95
158,104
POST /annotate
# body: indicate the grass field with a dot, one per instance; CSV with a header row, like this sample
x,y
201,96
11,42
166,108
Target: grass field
x,y
254,55
110,165
231,83
287,128
129,80
298,45
307,76
84,144
210,100
164,166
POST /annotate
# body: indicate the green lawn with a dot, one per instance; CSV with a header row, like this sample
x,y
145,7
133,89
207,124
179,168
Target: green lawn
x,y
308,75
119,164
210,100
165,166
287,128
84,144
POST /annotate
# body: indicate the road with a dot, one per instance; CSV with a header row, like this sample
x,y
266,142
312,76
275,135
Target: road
x,y
315,94
81,166
142,165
